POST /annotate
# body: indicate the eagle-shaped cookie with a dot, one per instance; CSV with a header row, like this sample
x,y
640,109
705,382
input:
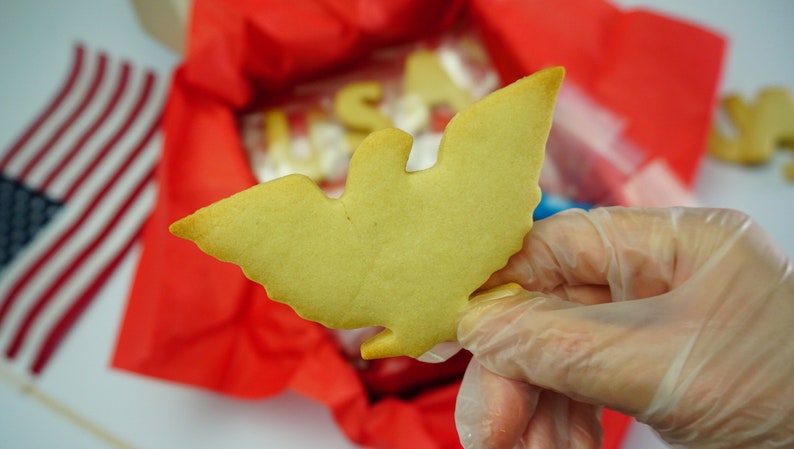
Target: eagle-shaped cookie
x,y
401,250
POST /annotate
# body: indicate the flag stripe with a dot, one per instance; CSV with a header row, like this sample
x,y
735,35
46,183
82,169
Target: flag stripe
x,y
140,173
67,275
43,259
142,101
92,149
40,263
57,118
81,162
69,319
55,156
66,88
81,279
91,131
96,82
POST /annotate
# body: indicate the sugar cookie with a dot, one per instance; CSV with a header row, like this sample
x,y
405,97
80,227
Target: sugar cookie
x,y
401,250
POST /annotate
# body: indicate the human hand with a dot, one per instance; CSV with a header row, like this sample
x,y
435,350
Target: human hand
x,y
682,318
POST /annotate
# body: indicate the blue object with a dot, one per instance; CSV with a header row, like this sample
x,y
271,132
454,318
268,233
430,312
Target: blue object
x,y
551,204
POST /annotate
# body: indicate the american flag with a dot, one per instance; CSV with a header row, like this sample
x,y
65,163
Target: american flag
x,y
75,188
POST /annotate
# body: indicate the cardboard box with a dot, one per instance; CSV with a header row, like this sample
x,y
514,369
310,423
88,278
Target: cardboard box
x,y
164,20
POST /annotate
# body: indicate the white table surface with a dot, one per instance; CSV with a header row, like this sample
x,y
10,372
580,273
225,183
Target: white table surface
x,y
36,38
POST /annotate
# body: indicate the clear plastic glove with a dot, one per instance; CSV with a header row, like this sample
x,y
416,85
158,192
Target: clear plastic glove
x,y
682,318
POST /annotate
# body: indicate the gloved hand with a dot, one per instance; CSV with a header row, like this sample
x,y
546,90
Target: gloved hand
x,y
682,318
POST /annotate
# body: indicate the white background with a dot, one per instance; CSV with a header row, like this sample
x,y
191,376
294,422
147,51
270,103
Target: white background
x,y
36,39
